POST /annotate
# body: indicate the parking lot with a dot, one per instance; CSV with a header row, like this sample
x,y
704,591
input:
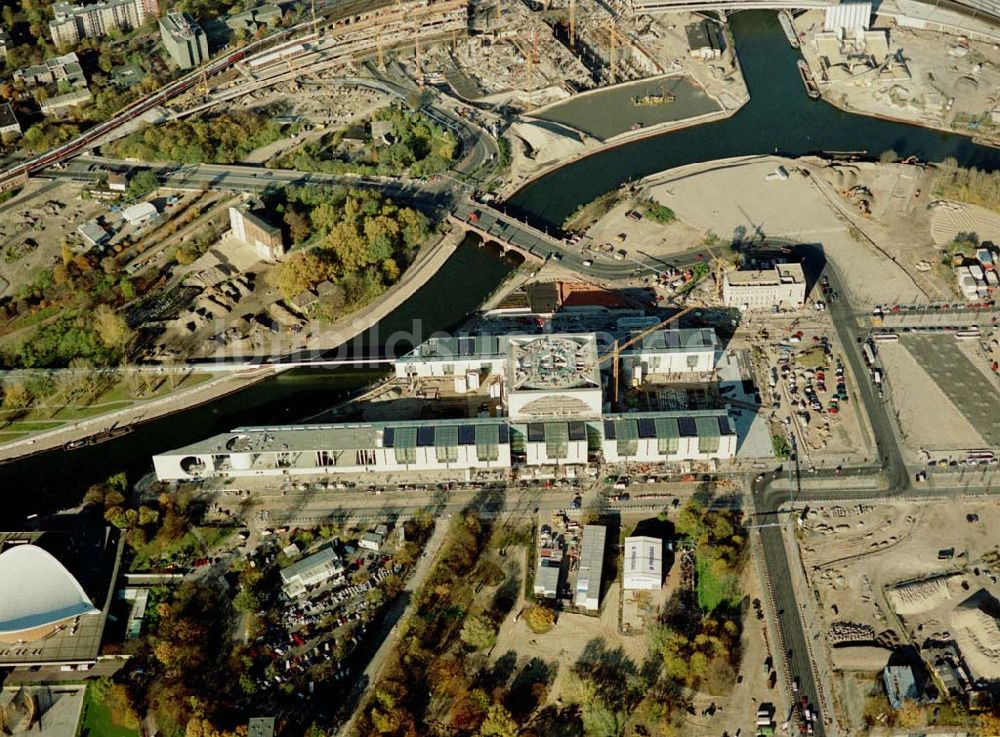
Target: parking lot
x,y
963,383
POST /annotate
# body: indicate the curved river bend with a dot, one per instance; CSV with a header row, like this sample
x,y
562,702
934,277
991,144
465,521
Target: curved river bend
x,y
779,118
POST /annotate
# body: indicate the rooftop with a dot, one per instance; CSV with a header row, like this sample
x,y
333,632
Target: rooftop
x,y
346,436
7,117
327,557
467,346
676,340
553,362
780,274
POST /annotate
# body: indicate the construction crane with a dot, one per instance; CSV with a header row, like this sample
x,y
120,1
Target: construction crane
x,y
416,48
378,50
617,349
572,24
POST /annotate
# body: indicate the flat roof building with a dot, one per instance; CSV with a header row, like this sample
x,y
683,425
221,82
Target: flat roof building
x,y
643,563
310,571
93,232
553,377
260,727
782,287
454,356
183,39
705,40
669,352
588,581
65,68
666,437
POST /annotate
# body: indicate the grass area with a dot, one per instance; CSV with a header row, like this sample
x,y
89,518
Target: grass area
x,y
658,212
182,550
96,721
9,437
31,426
586,215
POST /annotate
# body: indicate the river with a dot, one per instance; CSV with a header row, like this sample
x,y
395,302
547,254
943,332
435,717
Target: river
x,y
779,118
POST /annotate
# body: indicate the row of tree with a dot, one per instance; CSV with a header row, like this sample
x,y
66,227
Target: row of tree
x,y
222,139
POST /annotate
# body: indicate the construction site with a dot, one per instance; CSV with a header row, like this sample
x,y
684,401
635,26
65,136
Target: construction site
x,y
866,63
885,577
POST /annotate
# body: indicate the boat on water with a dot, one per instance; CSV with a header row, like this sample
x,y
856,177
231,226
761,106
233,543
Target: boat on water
x,y
654,98
785,18
812,89
103,436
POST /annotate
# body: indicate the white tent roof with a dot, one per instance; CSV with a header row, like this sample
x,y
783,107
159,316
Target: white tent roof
x,y
848,18
37,590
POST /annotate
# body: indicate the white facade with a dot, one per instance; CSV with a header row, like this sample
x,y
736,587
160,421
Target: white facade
x,y
139,213
341,449
783,287
554,443
668,352
588,581
72,23
667,437
553,377
643,564
454,357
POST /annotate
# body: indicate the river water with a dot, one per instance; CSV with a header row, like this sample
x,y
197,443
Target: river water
x,y
779,118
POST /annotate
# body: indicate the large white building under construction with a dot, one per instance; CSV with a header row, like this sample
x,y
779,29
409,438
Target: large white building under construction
x,y
550,416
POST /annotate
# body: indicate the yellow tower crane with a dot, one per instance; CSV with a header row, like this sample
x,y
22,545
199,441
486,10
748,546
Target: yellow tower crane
x,y
617,349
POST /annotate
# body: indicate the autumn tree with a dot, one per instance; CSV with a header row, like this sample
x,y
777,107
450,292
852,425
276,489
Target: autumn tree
x,y
112,328
478,632
498,723
540,619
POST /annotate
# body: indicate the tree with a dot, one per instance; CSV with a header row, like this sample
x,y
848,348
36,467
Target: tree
x,y
142,183
299,228
910,714
498,723
540,619
478,633
111,328
302,271
17,399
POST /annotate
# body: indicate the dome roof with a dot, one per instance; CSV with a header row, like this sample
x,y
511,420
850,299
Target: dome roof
x,y
45,593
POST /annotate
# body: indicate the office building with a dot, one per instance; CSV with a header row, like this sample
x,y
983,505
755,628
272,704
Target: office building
x,y
454,357
265,239
781,287
9,127
667,437
310,571
669,353
72,23
588,581
183,39
643,564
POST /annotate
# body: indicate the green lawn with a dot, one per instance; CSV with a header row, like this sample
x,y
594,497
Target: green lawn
x,y
97,722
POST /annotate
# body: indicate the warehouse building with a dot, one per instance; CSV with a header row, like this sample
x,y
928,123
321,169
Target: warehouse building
x,y
643,563
781,287
265,239
310,571
588,581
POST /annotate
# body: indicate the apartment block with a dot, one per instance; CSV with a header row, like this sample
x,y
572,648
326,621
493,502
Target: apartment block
x,y
72,23
184,40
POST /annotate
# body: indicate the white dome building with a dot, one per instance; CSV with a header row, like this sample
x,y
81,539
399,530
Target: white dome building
x,y
39,595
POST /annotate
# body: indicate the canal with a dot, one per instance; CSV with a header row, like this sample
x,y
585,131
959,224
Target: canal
x,y
779,118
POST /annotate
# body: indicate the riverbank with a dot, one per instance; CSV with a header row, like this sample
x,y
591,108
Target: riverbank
x,y
340,333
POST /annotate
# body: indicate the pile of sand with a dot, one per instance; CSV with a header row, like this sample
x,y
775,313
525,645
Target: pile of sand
x,y
919,597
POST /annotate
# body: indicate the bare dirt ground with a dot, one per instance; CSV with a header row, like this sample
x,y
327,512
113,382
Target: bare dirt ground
x,y
857,554
33,226
927,417
876,253
644,236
